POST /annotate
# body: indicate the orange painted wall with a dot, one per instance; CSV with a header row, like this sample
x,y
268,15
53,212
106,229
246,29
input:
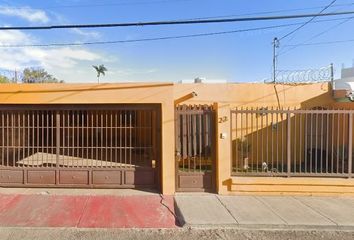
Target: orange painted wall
x,y
257,94
237,95
224,96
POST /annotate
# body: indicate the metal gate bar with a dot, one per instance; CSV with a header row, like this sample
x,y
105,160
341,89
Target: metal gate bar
x,y
287,142
80,138
71,134
194,138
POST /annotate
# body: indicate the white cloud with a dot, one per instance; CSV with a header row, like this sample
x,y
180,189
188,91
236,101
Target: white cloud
x,y
71,64
86,34
14,37
62,57
26,13
49,58
131,72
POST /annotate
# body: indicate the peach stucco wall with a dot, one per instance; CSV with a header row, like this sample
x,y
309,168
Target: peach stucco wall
x,y
257,94
236,95
223,96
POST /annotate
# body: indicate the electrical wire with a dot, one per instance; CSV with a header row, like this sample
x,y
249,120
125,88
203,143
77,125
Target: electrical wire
x,y
130,3
303,25
320,43
294,46
268,12
183,22
163,38
169,1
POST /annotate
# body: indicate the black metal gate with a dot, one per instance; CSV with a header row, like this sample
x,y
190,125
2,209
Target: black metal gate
x,y
195,161
115,146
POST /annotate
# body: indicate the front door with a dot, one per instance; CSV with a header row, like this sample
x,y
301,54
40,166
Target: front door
x,y
195,155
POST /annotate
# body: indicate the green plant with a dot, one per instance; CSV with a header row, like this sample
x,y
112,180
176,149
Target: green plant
x,y
38,75
243,147
4,79
100,70
342,152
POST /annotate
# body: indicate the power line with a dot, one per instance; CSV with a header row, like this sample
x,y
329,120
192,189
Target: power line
x,y
169,1
303,25
315,36
131,3
161,38
159,23
276,41
320,43
147,39
268,12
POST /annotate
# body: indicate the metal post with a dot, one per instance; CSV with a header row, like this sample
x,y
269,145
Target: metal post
x,y
288,145
275,46
15,76
350,145
332,78
57,128
57,144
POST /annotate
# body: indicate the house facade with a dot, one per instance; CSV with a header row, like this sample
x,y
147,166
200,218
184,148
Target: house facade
x,y
223,138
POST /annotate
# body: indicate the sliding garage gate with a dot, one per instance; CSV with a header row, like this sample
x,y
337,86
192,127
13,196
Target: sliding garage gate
x,y
115,146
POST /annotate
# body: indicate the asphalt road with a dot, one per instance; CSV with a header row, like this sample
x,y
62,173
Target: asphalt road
x,y
171,234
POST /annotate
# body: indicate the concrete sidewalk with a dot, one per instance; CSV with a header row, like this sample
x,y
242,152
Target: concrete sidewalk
x,y
92,208
285,212
48,210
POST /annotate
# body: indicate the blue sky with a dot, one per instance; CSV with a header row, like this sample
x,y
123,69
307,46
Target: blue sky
x,y
239,57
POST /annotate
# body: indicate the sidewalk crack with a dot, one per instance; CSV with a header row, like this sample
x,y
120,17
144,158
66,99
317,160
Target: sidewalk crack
x,y
217,197
271,209
315,210
167,207
83,211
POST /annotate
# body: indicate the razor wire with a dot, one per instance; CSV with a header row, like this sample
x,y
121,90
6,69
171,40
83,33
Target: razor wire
x,y
307,76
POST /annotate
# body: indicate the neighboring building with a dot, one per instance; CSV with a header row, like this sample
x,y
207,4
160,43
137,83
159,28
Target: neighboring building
x,y
203,80
344,87
224,138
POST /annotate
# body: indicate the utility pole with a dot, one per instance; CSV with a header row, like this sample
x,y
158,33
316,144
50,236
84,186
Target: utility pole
x,y
275,46
15,76
331,69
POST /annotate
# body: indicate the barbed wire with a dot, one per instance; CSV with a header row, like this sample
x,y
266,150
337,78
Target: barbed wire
x,y
307,76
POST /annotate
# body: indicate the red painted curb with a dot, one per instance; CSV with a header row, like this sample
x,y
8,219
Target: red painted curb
x,y
87,211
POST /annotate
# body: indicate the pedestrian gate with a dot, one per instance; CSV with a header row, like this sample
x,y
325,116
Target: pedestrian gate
x,y
115,146
195,161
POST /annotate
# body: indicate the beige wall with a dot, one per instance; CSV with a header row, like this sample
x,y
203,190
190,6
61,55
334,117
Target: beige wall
x,y
223,96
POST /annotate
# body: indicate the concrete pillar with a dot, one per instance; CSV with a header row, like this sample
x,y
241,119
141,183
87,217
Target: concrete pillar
x,y
168,148
223,148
